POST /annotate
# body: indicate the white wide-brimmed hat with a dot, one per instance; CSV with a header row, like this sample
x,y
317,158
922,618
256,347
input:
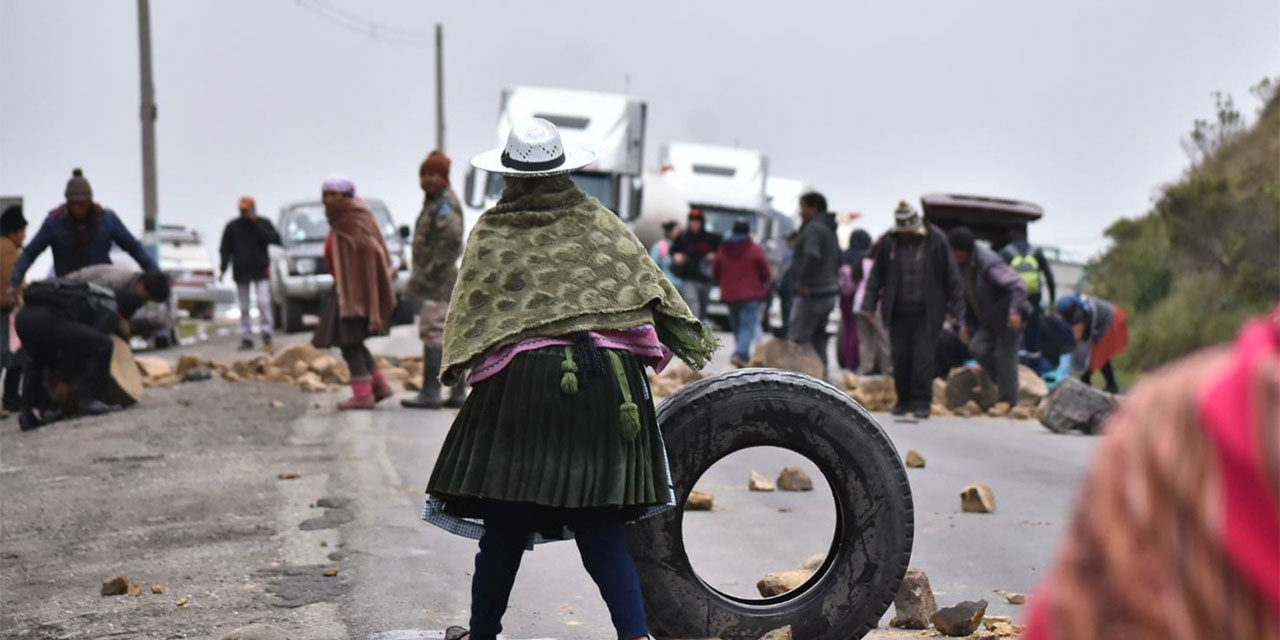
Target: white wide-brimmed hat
x,y
534,149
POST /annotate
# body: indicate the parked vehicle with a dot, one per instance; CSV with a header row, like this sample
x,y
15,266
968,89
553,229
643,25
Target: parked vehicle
x,y
300,276
192,267
610,125
728,185
991,219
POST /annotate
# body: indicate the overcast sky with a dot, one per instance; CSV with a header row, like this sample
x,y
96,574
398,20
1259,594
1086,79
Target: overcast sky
x,y
1078,106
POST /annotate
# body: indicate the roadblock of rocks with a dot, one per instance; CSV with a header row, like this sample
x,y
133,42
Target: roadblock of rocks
x,y
301,365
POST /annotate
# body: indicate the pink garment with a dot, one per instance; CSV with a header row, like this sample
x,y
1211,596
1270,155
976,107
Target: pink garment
x,y
641,341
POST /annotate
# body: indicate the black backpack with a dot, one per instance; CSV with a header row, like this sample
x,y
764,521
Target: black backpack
x,y
78,301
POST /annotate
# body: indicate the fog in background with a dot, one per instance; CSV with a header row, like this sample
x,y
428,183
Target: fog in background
x,y
1076,106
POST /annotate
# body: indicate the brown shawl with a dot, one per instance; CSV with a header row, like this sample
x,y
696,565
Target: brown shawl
x,y
361,264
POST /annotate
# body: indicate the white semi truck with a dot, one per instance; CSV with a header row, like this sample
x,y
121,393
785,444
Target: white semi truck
x,y
611,125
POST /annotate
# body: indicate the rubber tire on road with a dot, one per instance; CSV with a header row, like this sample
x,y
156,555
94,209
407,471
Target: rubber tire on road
x,y
846,598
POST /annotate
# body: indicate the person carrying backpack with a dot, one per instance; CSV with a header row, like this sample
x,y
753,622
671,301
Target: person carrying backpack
x,y
1030,263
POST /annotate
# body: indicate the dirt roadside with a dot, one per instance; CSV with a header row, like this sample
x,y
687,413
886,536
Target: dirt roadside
x,y
183,492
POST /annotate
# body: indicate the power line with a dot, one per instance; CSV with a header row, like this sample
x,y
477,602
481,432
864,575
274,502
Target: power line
x,y
364,26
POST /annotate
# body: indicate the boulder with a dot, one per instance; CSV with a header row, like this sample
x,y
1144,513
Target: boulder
x,y
914,605
339,373
875,393
167,380
257,632
940,391
785,354
197,374
999,410
276,374
1031,387
794,479
231,376
699,501
126,386
914,459
850,381
759,482
1076,406
413,383
939,409
300,367
783,633
814,562
189,362
1022,412
960,620
396,374
115,586
323,364
971,383
977,498
153,367
1011,597
311,382
302,351
969,409
778,583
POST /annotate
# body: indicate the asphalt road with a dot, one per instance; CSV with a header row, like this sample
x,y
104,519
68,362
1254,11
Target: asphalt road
x,y
414,576
183,490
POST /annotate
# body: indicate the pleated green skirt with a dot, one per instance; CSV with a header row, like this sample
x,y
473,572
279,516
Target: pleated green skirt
x,y
520,438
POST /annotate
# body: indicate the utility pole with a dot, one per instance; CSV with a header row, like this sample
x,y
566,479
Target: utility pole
x,y
439,85
148,113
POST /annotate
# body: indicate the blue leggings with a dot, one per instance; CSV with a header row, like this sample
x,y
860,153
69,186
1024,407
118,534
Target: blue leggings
x,y
598,533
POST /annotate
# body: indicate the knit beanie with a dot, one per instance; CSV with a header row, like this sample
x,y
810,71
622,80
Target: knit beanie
x,y
438,163
78,187
12,220
907,219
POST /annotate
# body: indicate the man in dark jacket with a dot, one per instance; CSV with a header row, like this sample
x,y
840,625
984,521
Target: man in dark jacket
x,y
692,255
815,273
1033,266
995,310
244,246
743,272
915,283
81,233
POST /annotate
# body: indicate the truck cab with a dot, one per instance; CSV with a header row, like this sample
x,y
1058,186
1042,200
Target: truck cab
x,y
610,125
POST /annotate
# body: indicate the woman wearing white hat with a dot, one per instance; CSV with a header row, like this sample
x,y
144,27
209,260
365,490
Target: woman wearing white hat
x,y
557,310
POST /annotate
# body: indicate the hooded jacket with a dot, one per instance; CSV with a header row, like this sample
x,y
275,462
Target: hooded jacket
x,y
816,263
59,232
742,270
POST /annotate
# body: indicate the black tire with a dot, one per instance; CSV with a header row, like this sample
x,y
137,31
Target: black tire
x,y
291,316
846,598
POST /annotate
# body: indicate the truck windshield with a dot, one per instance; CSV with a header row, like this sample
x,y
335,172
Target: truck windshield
x,y
306,223
597,185
720,220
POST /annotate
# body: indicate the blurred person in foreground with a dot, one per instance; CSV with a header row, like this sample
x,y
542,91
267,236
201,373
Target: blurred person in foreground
x,y
1176,535
995,309
437,244
13,232
362,299
742,271
815,272
81,233
1101,331
558,438
245,243
915,284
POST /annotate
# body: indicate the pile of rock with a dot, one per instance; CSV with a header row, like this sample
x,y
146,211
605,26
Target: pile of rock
x,y
673,378
785,354
303,365
969,392
916,608
875,393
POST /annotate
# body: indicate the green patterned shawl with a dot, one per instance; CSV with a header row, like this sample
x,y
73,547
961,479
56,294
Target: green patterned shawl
x,y
548,261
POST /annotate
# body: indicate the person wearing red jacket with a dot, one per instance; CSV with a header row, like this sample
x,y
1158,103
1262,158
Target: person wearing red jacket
x,y
743,273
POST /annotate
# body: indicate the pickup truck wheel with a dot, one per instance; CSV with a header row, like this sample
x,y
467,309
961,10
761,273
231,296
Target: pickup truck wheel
x,y
291,316
848,594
